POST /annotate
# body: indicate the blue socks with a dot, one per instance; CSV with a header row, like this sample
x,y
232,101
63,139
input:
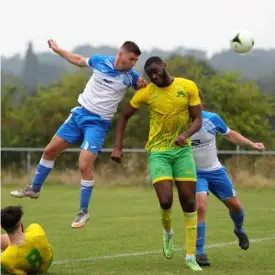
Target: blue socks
x,y
42,171
86,189
238,219
200,238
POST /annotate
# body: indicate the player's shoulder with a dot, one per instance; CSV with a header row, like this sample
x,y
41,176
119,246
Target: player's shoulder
x,y
184,81
210,116
95,58
214,119
99,61
149,87
187,84
35,228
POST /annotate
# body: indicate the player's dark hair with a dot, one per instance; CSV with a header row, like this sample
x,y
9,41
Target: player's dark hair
x,y
131,47
10,216
151,60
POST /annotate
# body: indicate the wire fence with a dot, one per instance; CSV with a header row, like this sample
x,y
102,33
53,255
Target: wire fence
x,y
30,150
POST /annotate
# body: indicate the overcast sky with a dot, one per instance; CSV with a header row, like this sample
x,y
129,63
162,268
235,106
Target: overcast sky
x,y
203,24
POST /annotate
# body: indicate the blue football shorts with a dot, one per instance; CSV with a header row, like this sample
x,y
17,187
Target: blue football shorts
x,y
82,124
217,182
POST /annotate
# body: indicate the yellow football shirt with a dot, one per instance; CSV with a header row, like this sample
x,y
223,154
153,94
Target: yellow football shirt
x,y
33,256
168,111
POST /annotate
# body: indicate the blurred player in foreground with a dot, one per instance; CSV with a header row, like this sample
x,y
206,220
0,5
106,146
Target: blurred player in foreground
x,y
23,251
175,114
90,121
211,175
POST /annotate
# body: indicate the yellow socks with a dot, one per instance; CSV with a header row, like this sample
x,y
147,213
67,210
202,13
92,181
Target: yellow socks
x,y
190,226
166,219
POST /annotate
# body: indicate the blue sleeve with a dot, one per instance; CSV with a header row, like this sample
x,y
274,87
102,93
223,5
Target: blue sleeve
x,y
220,125
94,59
135,77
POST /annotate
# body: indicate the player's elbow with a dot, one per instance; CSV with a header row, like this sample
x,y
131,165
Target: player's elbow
x,y
233,137
80,62
124,117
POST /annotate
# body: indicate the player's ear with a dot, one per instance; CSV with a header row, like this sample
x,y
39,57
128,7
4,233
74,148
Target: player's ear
x,y
21,225
164,65
120,52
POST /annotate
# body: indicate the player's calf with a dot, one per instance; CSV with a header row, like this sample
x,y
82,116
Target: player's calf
x,y
236,213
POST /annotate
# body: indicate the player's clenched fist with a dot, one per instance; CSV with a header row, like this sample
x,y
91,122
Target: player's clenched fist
x,y
52,44
117,155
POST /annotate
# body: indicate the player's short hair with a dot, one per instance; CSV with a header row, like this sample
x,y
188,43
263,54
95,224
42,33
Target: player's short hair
x,y
151,60
131,47
10,216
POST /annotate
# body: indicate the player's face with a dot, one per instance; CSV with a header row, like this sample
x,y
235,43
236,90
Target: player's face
x,y
127,60
157,74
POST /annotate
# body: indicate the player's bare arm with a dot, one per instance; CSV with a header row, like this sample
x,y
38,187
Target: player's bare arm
x,y
75,59
236,138
120,129
195,113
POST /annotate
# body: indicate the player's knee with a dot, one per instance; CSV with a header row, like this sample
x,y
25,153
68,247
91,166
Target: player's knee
x,y
84,167
188,204
235,207
50,153
165,205
201,209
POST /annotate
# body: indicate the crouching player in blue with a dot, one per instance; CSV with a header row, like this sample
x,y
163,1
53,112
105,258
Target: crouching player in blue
x,y
211,175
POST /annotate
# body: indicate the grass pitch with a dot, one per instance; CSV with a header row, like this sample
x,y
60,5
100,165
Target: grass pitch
x,y
123,235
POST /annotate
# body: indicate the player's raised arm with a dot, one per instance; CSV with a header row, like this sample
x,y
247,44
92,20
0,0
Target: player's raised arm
x,y
75,59
120,129
238,139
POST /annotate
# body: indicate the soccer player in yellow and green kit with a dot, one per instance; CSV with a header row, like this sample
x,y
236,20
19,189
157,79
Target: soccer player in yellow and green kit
x,y
23,251
175,114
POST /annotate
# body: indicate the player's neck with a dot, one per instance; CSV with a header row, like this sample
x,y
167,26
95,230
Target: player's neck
x,y
169,81
117,64
17,238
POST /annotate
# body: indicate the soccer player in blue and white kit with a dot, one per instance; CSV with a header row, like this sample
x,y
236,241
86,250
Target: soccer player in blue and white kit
x,y
90,121
211,175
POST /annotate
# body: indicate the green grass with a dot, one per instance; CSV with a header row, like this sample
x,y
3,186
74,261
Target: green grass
x,y
126,220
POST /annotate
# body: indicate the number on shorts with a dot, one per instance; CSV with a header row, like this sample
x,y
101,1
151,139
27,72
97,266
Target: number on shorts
x,y
34,259
196,142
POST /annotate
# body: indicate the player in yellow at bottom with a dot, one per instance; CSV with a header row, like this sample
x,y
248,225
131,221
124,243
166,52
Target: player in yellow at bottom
x,y
23,251
175,114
